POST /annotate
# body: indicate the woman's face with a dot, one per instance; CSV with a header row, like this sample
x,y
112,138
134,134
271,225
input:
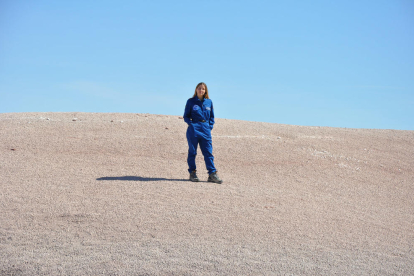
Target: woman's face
x,y
201,90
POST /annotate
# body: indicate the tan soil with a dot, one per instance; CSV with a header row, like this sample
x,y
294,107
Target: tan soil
x,y
107,194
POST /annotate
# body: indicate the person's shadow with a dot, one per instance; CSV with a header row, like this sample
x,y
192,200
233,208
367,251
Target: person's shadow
x,y
138,178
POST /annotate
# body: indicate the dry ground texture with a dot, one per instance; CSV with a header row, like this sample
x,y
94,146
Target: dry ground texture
x,y
107,194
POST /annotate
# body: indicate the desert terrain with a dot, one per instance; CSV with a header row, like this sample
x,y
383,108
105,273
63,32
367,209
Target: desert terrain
x,y
108,194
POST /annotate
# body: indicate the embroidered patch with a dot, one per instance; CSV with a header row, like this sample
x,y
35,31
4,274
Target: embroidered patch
x,y
196,107
208,108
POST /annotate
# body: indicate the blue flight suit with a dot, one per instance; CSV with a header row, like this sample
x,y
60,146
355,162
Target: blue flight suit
x,y
199,115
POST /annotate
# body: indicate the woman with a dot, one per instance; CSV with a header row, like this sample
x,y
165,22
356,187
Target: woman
x,y
199,115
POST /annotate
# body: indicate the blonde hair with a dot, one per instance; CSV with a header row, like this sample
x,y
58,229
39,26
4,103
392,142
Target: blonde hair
x,y
205,94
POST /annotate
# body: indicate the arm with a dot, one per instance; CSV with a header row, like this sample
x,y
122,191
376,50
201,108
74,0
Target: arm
x,y
211,120
187,113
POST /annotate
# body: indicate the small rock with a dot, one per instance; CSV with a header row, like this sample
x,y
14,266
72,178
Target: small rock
x,y
74,119
13,149
112,121
278,137
122,121
166,128
180,117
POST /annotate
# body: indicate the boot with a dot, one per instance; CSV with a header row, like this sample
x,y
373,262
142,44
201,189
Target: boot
x,y
213,177
193,176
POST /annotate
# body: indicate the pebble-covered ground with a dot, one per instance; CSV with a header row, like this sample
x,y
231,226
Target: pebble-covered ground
x,y
108,194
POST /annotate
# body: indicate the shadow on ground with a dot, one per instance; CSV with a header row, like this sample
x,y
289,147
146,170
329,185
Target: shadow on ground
x,y
138,178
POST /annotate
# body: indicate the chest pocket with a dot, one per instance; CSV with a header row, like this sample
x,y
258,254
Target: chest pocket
x,y
197,113
207,110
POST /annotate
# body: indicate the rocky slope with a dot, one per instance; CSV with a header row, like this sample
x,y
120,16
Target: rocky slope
x,y
107,194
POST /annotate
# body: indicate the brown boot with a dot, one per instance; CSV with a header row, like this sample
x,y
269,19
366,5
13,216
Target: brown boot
x,y
213,177
193,176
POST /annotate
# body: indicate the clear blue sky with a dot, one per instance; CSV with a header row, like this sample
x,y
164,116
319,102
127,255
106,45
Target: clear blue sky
x,y
312,63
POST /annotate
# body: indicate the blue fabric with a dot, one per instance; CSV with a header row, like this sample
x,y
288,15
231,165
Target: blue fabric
x,y
198,132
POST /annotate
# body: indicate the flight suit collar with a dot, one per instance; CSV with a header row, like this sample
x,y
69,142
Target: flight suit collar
x,y
197,99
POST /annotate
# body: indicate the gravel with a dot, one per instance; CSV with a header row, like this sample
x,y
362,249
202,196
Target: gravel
x,y
108,194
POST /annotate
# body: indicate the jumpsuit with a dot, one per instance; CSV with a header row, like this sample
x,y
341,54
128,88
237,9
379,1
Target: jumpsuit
x,y
199,116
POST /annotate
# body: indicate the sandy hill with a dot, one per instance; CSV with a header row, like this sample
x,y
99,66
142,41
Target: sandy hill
x,y
107,194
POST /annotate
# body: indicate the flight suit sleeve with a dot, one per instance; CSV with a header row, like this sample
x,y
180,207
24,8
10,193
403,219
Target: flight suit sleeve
x,y
211,120
187,113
